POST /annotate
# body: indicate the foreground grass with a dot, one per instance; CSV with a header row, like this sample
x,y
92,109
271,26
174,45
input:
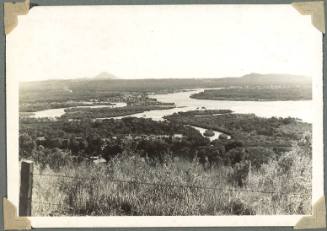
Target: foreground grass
x,y
114,188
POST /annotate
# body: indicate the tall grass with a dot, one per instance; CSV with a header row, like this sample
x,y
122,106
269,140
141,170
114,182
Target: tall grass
x,y
146,188
291,174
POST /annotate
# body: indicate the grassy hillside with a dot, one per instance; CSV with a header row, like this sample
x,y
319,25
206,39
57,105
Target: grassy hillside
x,y
129,185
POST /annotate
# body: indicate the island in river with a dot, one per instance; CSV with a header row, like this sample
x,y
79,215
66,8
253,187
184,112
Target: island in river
x,y
263,93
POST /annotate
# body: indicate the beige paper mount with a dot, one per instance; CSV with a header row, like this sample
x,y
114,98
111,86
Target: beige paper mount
x,y
317,219
315,9
10,218
11,11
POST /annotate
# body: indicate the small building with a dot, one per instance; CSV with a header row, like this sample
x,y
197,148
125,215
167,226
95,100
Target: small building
x,y
177,137
100,161
40,140
129,137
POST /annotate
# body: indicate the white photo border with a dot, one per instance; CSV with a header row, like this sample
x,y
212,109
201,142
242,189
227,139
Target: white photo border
x,y
12,87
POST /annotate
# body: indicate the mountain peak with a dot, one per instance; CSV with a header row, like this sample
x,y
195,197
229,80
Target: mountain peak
x,y
105,75
252,74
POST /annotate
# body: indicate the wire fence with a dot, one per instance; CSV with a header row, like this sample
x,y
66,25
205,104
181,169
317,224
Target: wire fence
x,y
107,178
120,188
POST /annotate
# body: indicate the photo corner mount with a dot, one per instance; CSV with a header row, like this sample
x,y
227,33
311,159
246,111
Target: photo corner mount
x,y
11,12
315,9
317,219
10,218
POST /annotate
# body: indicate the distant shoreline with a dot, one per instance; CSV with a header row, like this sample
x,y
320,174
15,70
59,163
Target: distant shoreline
x,y
255,94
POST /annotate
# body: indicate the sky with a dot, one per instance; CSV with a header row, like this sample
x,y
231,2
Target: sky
x,y
166,41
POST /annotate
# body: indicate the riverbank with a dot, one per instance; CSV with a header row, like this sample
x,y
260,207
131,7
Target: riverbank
x,y
248,128
184,102
95,113
42,106
256,94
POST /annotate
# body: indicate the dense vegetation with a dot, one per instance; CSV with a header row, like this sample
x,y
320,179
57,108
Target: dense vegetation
x,y
78,113
250,129
145,151
256,94
41,105
206,112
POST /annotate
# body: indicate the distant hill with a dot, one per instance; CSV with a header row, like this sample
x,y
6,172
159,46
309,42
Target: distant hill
x,y
105,75
255,78
107,84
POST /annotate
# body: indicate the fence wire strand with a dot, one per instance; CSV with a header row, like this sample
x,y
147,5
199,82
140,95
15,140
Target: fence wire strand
x,y
47,203
167,185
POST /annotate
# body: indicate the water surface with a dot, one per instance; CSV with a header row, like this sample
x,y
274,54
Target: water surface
x,y
53,113
301,109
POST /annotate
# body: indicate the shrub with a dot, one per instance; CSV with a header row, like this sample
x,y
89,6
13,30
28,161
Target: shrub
x,y
259,155
240,173
26,145
233,144
290,180
238,207
53,158
234,156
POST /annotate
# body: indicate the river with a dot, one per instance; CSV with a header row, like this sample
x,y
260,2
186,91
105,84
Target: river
x,y
216,134
301,109
53,113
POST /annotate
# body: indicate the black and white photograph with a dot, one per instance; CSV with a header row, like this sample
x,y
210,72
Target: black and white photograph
x,y
166,110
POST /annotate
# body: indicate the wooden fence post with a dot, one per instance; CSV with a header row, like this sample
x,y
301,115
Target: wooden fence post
x,y
250,170
25,192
